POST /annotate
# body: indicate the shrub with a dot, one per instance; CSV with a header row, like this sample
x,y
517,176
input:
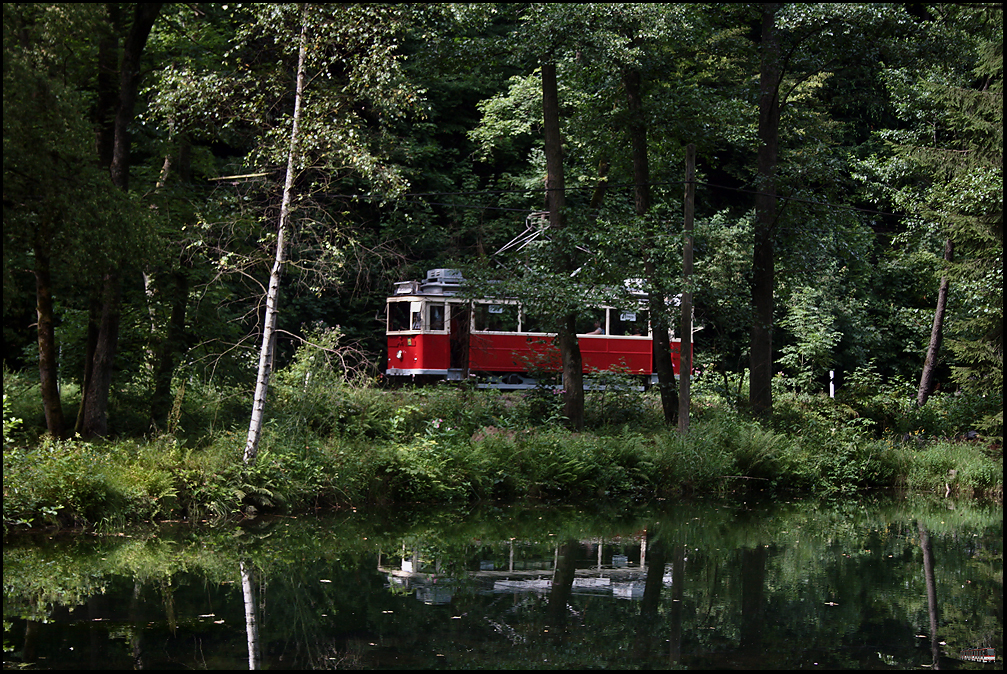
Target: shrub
x,y
60,480
954,467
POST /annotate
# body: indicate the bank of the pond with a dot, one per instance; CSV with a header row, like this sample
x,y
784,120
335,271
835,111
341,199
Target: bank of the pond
x,y
437,455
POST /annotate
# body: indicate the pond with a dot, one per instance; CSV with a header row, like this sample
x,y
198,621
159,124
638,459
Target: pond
x,y
699,584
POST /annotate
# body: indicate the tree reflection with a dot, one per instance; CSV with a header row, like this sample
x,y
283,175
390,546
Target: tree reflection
x,y
928,572
753,582
500,593
251,622
675,614
136,626
562,585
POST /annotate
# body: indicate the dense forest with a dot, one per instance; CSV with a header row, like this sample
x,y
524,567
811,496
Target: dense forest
x,y
194,189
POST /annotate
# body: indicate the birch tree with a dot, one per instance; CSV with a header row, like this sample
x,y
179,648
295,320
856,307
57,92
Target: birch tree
x,y
347,81
272,295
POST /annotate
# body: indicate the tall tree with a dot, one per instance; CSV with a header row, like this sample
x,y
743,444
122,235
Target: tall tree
x,y
116,103
763,259
272,295
637,129
569,347
39,125
796,46
324,133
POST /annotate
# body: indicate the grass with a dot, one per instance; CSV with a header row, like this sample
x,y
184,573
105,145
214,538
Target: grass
x,y
328,443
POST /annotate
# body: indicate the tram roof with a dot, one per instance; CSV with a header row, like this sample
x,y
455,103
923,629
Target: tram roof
x,y
448,282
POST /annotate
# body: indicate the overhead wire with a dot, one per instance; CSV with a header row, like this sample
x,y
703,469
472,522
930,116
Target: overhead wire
x,y
408,197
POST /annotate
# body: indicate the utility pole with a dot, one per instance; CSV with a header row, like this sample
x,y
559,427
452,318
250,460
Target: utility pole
x,y
685,347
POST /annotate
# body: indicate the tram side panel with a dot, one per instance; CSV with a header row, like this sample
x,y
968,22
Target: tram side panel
x,y
419,353
510,353
630,355
424,353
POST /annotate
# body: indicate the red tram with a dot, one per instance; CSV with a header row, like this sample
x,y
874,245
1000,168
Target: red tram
x,y
978,654
435,334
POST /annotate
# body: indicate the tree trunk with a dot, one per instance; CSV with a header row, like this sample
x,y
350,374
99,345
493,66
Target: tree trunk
x,y
562,586
685,346
936,334
763,272
91,344
272,295
661,347
172,344
129,83
569,347
656,297
47,361
96,397
114,147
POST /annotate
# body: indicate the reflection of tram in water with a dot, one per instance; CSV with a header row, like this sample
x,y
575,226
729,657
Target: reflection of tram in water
x,y
435,334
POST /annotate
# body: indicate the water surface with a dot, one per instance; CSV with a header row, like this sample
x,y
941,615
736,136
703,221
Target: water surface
x,y
698,584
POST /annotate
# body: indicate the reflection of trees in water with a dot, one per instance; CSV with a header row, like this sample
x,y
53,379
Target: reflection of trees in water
x,y
842,593
928,573
653,632
753,596
562,585
251,614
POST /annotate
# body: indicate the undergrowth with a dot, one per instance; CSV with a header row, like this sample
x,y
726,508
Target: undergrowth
x,y
330,443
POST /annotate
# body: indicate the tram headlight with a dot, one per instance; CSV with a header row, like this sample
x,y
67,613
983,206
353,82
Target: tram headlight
x,y
399,354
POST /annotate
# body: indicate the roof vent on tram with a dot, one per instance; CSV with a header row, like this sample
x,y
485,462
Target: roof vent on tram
x,y
442,282
445,275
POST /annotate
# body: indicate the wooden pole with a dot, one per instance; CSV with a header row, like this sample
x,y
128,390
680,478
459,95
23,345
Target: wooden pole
x,y
685,347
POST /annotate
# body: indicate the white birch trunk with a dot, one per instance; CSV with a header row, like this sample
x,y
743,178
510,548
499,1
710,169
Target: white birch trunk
x,y
272,295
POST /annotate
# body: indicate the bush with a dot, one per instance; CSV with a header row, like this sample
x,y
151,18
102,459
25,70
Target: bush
x,y
69,481
954,468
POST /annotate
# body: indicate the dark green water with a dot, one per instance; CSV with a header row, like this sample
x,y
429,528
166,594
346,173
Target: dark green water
x,y
698,584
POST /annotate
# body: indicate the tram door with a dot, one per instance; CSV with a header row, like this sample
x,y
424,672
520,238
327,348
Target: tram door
x,y
461,319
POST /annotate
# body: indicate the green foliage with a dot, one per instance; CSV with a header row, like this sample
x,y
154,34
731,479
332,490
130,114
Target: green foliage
x,y
10,422
446,444
446,101
76,482
954,468
811,321
943,166
890,409
616,398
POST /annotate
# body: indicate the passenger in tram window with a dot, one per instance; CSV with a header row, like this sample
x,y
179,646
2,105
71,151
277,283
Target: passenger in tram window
x,y
598,330
436,316
417,320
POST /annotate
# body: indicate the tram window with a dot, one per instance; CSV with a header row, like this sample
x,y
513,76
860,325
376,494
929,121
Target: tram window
x,y
628,323
591,322
533,323
398,316
435,316
496,318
